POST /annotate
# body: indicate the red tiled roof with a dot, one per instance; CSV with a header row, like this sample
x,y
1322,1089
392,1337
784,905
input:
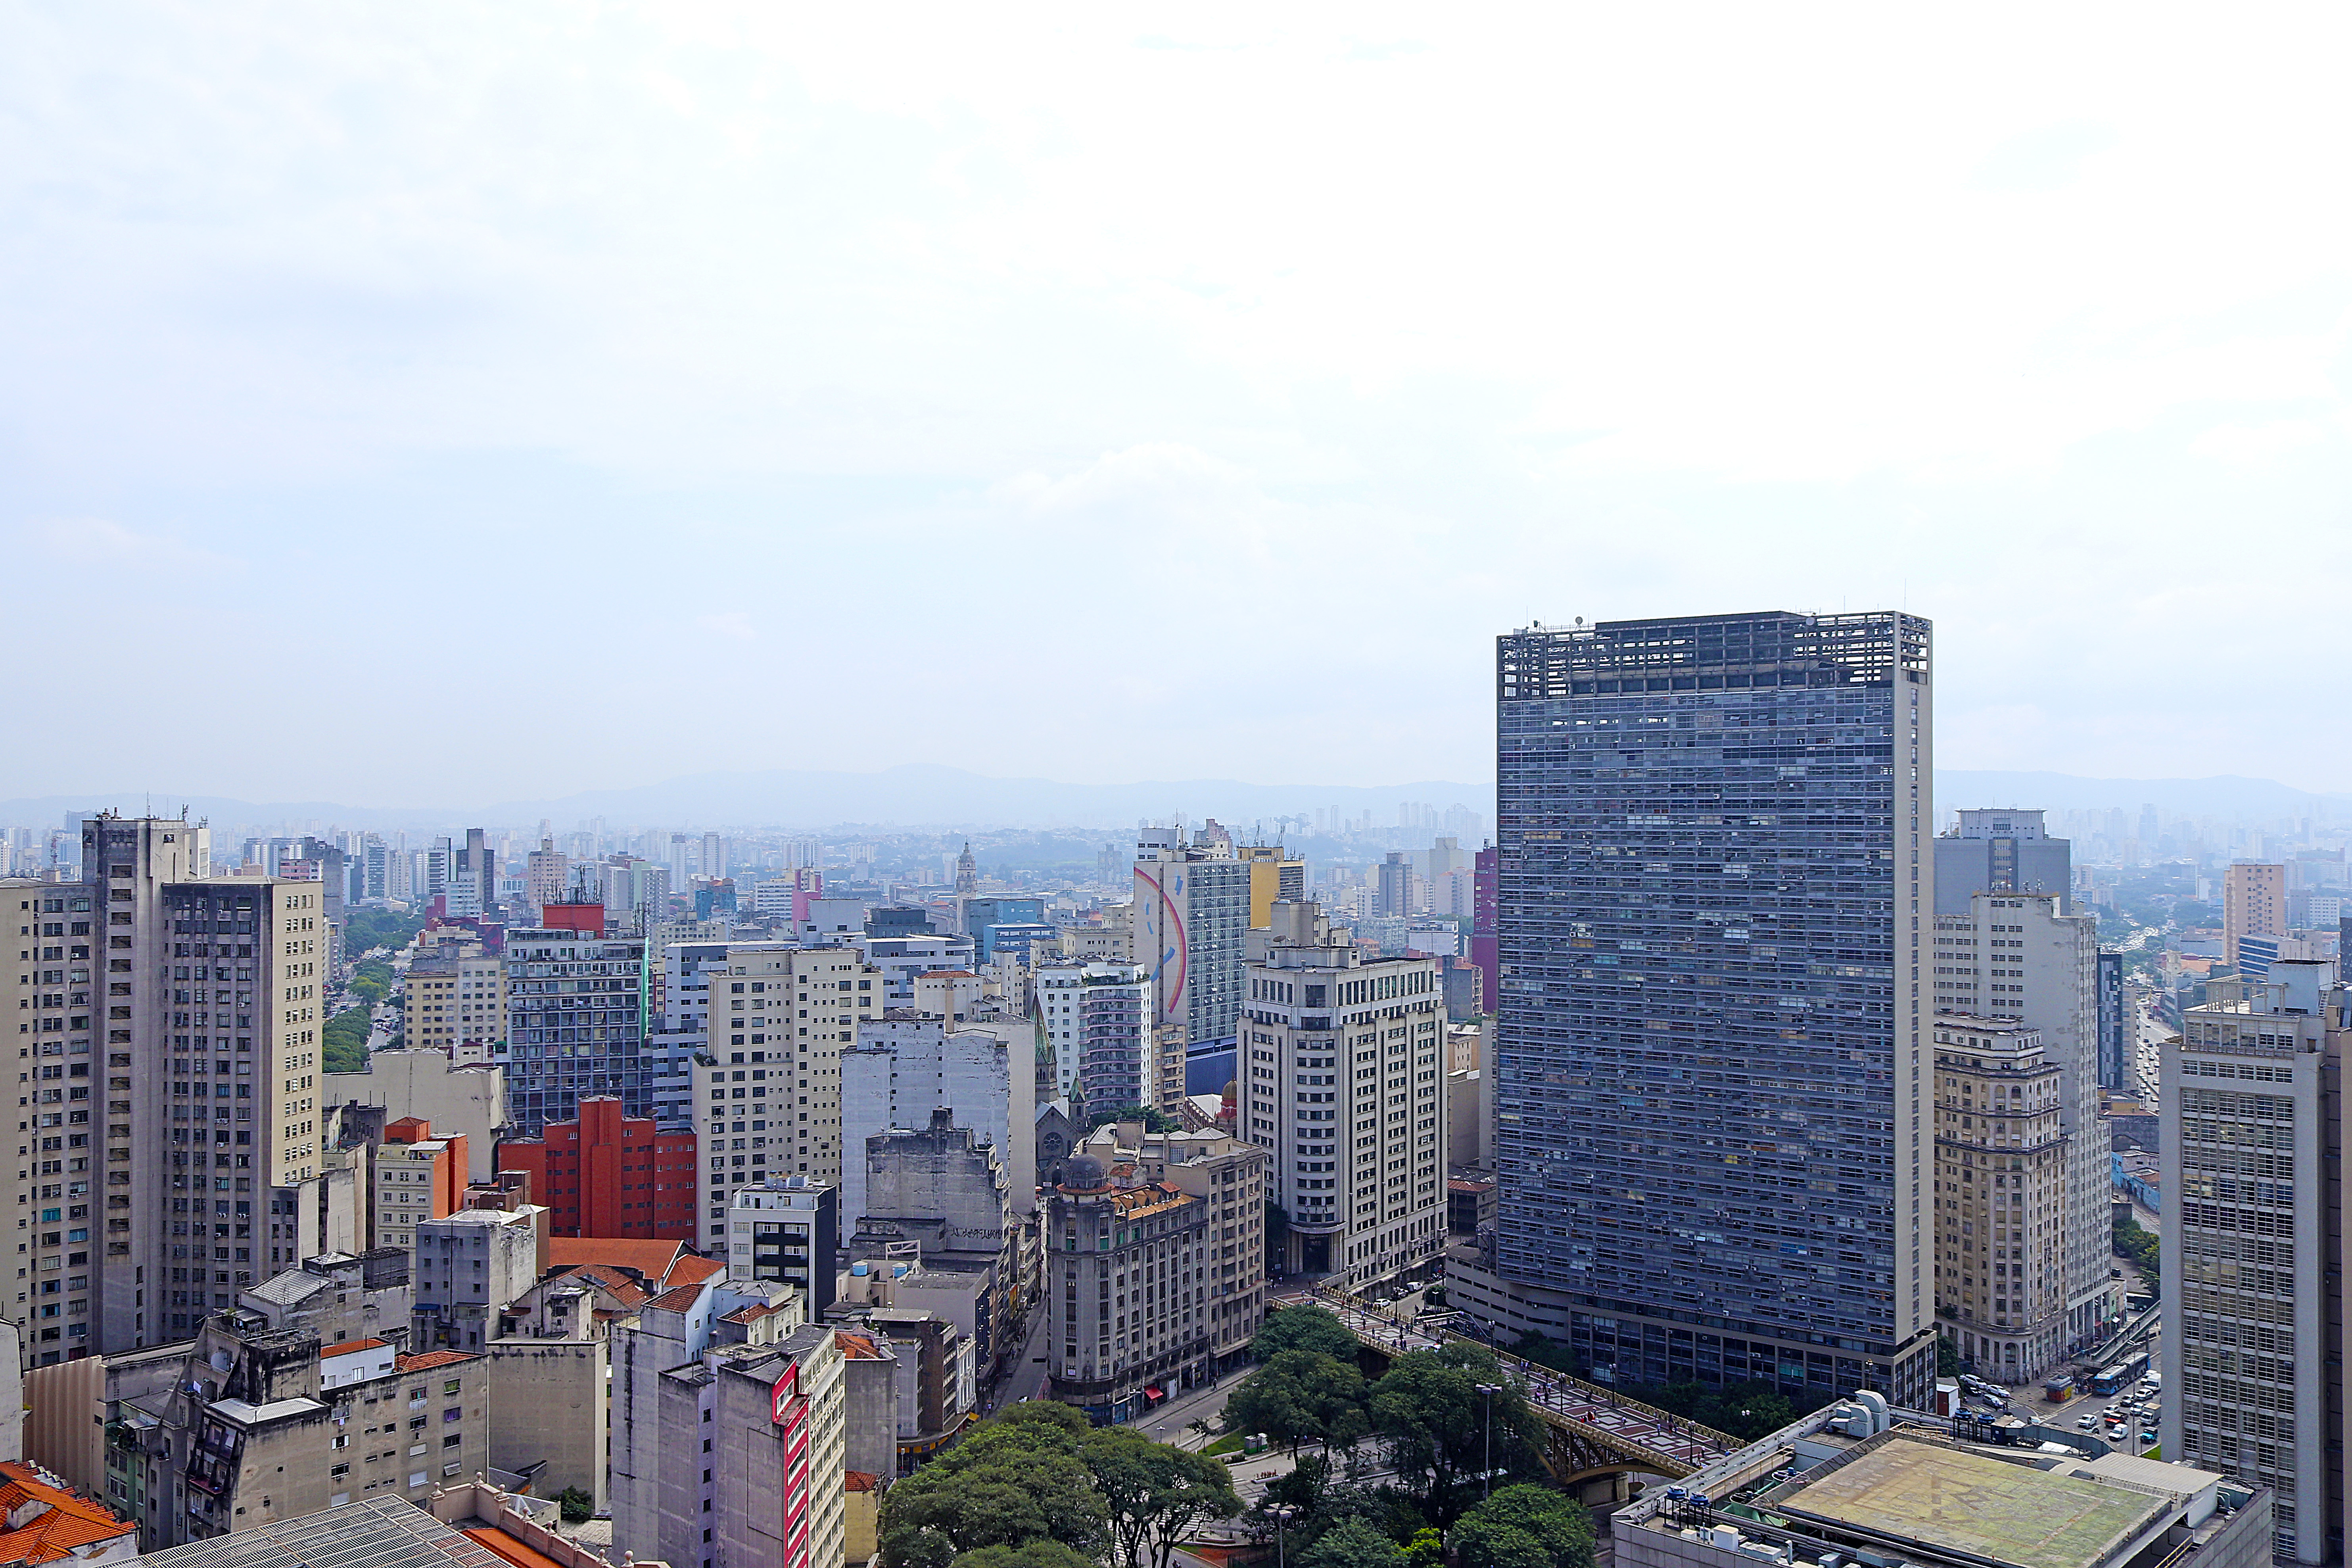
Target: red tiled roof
x,y
859,1481
348,1346
431,1359
693,1270
65,1523
678,1300
653,1259
752,1313
857,1347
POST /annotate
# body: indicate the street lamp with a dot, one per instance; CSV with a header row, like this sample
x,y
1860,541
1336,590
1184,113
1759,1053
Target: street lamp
x,y
1283,1514
1490,1390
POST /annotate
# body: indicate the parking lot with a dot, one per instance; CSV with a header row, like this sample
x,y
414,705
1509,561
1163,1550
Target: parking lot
x,y
2140,1404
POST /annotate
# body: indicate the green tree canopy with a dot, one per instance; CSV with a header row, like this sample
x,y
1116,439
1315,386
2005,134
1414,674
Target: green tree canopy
x,y
1154,1493
1028,1554
1300,1396
1431,1415
1525,1526
1352,1543
1154,1119
1303,1329
342,1042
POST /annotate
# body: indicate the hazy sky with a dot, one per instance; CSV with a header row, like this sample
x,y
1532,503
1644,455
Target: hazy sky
x,y
427,403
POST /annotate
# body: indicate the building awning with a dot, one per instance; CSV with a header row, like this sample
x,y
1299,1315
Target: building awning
x,y
1155,1394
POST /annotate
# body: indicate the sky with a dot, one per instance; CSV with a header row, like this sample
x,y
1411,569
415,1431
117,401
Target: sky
x,y
428,403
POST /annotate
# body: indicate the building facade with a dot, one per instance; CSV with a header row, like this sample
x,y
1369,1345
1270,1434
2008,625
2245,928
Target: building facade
x,y
2254,903
576,1023
2001,851
1341,1077
1713,1083
1154,1271
1097,1018
610,1174
2001,1197
2248,1094
2016,957
1191,914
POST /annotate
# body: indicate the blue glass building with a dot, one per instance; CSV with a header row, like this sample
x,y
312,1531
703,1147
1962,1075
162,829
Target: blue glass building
x,y
1710,1088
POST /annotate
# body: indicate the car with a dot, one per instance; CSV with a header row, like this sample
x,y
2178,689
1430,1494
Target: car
x,y
2086,1423
2148,1435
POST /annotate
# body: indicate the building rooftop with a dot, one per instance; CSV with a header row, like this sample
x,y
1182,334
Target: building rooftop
x,y
427,1360
348,1346
57,1525
653,1259
1967,1502
383,1532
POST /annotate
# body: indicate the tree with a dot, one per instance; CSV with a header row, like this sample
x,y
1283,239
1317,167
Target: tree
x,y
1352,1543
576,1506
1154,1119
1300,1396
1304,1328
1154,1494
1525,1527
1947,1356
342,1042
1015,1479
1028,1554
1425,1549
1437,1427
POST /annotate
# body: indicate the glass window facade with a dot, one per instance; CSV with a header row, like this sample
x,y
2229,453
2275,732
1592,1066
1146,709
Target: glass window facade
x,y
1708,1083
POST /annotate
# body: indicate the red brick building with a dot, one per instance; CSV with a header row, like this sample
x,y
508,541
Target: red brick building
x,y
609,1174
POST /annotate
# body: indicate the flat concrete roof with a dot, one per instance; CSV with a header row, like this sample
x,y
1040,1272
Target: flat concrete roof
x,y
1944,1497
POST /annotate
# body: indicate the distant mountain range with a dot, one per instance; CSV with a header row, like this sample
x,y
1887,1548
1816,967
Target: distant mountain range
x,y
921,795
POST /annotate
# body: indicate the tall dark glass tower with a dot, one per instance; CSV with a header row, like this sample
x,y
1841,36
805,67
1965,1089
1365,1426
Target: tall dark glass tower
x,y
1711,1093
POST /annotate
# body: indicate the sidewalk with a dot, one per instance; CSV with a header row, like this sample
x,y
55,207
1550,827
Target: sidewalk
x,y
1167,1423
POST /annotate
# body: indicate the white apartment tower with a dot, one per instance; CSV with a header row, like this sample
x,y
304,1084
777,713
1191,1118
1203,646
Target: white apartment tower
x,y
2014,958
1097,1021
1341,1077
788,1012
2248,1101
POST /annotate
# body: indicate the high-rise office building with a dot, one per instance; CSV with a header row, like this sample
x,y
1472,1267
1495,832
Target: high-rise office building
x,y
2115,1030
1274,875
1097,1018
2254,903
1341,1076
2001,1197
2249,1096
2014,957
2000,852
1396,885
548,872
576,1023
1192,916
1713,1082
155,984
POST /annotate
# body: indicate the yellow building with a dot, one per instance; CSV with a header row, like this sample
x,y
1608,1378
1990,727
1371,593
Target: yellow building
x,y
1272,874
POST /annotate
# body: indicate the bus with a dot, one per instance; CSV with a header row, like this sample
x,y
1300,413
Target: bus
x,y
2115,1379
2060,1387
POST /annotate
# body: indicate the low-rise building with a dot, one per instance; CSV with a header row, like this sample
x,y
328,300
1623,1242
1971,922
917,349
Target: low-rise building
x,y
419,1177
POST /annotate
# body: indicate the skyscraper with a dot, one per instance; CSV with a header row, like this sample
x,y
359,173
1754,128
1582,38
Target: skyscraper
x,y
2254,903
2248,1099
1191,918
1712,1081
2000,852
1341,1076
